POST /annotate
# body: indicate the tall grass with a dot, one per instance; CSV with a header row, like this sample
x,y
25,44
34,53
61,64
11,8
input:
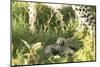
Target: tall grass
x,y
28,48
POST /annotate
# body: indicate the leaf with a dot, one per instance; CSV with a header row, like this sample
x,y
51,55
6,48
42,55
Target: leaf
x,y
37,46
26,44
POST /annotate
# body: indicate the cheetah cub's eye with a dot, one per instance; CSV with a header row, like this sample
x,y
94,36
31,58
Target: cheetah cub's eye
x,y
62,44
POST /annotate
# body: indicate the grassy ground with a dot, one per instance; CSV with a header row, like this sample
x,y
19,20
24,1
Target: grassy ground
x,y
28,48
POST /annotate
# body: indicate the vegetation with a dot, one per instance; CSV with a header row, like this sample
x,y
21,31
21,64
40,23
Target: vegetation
x,y
28,48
